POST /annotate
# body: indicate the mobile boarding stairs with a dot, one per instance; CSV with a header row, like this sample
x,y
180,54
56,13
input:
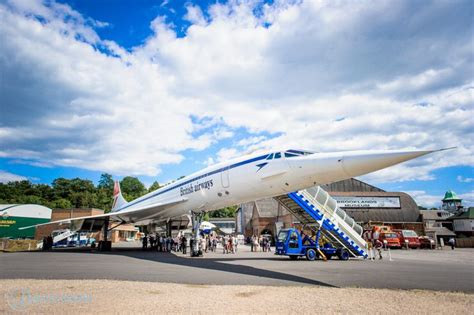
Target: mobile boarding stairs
x,y
315,209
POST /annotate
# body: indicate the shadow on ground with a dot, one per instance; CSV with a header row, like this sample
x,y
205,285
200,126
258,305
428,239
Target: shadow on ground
x,y
216,264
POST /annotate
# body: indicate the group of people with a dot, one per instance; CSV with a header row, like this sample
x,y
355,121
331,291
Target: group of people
x,y
375,245
260,242
159,243
165,243
208,243
229,244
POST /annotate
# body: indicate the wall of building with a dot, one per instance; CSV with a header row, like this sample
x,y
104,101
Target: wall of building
x,y
15,216
62,214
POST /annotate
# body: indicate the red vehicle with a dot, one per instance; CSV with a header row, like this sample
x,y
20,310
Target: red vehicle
x,y
408,238
390,239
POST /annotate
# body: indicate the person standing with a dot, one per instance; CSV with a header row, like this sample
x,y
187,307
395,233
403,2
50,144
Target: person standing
x,y
452,243
214,244
255,243
152,241
375,238
224,244
184,244
145,242
378,246
236,242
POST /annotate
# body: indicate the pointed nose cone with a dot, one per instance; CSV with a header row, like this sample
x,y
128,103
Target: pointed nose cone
x,y
360,163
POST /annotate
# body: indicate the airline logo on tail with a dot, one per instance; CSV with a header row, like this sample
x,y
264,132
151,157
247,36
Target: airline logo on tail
x,y
119,201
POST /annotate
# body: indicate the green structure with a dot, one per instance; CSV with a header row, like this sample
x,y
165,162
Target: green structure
x,y
12,217
451,201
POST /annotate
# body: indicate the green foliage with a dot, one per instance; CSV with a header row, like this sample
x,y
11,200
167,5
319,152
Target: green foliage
x,y
132,188
154,186
227,212
71,193
106,182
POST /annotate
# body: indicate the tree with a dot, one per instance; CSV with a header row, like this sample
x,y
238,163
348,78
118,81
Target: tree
x,y
60,203
227,212
106,182
154,186
105,190
132,188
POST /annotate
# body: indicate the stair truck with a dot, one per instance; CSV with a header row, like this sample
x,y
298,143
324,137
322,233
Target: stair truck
x,y
292,244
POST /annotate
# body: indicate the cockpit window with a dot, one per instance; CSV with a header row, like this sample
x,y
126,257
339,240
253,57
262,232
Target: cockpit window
x,y
277,155
293,153
270,157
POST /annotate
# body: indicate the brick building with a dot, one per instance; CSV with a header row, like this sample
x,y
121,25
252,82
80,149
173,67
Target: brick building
x,y
121,233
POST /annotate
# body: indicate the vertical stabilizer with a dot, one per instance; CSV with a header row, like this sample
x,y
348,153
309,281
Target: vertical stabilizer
x,y
119,201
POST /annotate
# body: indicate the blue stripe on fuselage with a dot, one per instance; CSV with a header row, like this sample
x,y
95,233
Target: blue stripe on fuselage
x,y
197,178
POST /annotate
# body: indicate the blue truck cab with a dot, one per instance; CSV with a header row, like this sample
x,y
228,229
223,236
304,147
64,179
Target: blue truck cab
x,y
291,243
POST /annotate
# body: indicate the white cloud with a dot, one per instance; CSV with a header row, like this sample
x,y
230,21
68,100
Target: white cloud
x,y
195,15
427,200
467,198
424,199
462,179
6,177
227,154
395,85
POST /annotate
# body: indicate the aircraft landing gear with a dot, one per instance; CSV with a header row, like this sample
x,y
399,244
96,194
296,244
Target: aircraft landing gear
x,y
196,219
105,245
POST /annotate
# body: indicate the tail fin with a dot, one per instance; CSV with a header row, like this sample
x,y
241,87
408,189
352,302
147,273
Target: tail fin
x,y
119,201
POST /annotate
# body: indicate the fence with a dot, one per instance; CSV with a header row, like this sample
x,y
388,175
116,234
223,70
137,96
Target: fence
x,y
467,242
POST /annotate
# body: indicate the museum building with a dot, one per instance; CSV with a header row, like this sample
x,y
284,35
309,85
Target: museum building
x,y
365,203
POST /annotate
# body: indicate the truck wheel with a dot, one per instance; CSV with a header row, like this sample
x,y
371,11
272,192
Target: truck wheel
x,y
311,254
293,257
343,254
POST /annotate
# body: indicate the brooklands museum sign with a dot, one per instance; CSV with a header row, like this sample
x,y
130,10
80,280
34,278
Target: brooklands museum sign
x,y
367,202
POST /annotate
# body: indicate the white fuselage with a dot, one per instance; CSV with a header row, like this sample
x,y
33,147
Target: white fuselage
x,y
262,175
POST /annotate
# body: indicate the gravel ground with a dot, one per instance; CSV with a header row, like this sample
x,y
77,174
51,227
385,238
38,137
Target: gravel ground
x,y
110,296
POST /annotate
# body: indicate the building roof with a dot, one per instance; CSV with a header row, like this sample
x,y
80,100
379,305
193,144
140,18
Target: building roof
x,y
24,210
451,196
351,185
466,215
435,214
440,231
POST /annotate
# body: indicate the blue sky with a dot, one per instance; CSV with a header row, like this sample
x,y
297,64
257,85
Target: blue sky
x,y
160,89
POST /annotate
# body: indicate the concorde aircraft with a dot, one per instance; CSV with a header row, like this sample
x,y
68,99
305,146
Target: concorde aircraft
x,y
240,180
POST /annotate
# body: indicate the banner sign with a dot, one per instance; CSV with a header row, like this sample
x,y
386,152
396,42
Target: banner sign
x,y
368,202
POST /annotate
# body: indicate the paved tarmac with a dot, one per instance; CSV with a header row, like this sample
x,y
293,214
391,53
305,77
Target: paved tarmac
x,y
443,270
